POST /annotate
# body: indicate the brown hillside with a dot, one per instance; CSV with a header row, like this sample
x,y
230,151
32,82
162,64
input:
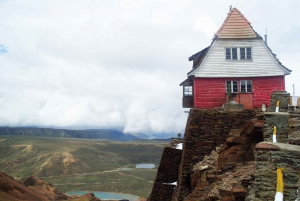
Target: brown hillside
x,y
34,189
12,190
44,188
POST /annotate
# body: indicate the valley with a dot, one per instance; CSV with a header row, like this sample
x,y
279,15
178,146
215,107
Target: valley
x,y
82,164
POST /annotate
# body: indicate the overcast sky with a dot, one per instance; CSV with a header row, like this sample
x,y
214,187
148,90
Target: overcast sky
x,y
93,64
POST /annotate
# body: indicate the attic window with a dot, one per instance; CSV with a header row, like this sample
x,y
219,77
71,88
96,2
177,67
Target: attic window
x,y
231,86
231,54
238,53
188,90
246,53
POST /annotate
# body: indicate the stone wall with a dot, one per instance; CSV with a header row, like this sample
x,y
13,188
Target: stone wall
x,y
281,121
167,173
284,99
269,156
205,130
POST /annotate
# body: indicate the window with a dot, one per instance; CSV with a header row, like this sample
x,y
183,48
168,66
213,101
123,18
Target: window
x,y
246,53
231,86
188,90
240,53
234,53
231,54
246,86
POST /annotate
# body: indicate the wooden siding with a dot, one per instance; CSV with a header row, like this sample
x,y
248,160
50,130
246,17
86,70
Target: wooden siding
x,y
187,102
263,88
262,64
211,92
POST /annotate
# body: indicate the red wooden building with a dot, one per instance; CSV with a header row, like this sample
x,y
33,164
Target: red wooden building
x,y
238,65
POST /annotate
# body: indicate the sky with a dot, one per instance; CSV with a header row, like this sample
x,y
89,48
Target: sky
x,y
118,64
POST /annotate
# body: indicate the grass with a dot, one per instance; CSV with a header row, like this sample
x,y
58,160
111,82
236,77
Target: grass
x,y
79,164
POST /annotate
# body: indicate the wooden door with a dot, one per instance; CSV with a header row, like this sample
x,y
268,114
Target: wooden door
x,y
246,99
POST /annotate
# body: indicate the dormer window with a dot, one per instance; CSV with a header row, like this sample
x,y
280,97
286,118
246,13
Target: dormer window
x,y
238,53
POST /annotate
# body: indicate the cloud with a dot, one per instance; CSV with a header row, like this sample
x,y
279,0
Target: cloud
x,y
93,64
206,25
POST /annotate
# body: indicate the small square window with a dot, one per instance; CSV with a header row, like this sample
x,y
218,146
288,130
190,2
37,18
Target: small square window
x,y
188,90
231,86
246,86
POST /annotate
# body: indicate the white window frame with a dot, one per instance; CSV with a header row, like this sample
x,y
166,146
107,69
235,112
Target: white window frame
x,y
187,91
245,83
248,56
232,84
231,53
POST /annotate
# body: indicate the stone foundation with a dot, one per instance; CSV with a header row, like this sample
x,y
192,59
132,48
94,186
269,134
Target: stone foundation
x,y
269,156
205,130
167,173
281,121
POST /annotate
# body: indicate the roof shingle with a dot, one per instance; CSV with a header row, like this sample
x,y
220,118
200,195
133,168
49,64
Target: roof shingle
x,y
236,26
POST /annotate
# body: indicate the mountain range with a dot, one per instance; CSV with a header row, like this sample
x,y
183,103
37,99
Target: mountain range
x,y
111,134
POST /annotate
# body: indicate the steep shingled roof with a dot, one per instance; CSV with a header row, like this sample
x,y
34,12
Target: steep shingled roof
x,y
236,26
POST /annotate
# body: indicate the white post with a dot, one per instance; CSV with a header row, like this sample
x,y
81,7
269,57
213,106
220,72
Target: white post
x,y
274,135
277,106
294,102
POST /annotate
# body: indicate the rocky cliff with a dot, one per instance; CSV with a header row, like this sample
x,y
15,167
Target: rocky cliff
x,y
230,156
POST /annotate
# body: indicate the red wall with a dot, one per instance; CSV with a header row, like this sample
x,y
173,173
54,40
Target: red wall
x,y
263,88
211,92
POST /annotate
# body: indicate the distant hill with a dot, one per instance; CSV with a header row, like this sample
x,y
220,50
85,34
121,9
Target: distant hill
x,y
110,134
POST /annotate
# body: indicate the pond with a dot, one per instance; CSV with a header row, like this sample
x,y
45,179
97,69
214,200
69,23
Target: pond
x,y
107,195
145,165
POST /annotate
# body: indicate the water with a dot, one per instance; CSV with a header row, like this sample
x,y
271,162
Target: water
x,y
125,168
107,195
145,165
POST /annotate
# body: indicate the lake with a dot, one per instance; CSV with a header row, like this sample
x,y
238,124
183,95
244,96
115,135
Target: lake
x,y
145,165
107,195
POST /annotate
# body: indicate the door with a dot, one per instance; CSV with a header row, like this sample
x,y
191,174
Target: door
x,y
246,99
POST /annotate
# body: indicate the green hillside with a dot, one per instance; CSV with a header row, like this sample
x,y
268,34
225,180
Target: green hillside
x,y
82,164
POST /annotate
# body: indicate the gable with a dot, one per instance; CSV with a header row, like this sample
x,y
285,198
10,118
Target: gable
x,y
262,63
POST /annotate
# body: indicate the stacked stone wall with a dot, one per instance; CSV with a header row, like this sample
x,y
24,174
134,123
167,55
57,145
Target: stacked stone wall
x,y
167,173
270,156
284,99
205,130
281,121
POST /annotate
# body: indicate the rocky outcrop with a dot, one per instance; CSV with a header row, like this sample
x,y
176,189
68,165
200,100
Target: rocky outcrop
x,y
229,156
34,189
45,188
205,130
228,172
12,190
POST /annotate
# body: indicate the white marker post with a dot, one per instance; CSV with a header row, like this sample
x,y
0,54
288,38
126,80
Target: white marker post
x,y
277,106
280,185
274,135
